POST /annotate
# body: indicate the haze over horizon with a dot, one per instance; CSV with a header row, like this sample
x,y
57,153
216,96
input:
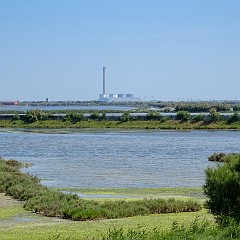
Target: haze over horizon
x,y
156,49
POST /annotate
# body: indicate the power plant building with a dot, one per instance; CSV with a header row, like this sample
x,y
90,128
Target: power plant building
x,y
113,97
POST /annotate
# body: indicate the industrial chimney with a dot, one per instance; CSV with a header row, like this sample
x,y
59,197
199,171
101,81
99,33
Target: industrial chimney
x,y
104,78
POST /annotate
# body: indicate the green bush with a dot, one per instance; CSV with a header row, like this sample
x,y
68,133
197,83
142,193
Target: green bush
x,y
222,187
126,117
153,115
95,116
214,116
16,117
233,118
35,115
198,118
183,116
164,119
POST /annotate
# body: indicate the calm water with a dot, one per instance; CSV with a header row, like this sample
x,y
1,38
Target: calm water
x,y
118,159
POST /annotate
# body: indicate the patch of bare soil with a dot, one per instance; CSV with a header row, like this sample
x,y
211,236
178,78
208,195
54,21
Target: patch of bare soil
x,y
6,201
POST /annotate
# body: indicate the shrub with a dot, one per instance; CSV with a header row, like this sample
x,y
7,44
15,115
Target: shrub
x,y
183,116
222,187
214,116
94,116
198,118
76,117
164,119
16,117
153,115
233,118
218,157
126,117
35,115
103,116
13,163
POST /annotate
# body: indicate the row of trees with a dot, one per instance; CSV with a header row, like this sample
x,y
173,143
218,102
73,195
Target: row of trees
x,y
195,107
213,116
183,116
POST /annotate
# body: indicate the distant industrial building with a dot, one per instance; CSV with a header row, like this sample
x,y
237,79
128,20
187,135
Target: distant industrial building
x,y
3,103
115,97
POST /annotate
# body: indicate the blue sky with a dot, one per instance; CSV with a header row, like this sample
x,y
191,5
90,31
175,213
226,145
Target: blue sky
x,y
156,49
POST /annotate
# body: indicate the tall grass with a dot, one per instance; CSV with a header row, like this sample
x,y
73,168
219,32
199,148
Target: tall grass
x,y
49,202
196,230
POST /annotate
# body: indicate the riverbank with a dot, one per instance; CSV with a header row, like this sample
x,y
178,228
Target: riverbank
x,y
91,124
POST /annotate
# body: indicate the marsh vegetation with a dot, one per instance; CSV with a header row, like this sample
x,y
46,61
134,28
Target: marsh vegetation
x,y
53,203
187,226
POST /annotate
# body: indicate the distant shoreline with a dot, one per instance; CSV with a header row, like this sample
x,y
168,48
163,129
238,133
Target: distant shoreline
x,y
127,125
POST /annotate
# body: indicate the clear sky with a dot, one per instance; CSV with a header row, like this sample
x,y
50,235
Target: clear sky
x,y
156,49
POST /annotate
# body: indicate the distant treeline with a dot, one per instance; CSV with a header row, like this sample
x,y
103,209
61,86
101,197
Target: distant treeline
x,y
74,116
192,107
197,106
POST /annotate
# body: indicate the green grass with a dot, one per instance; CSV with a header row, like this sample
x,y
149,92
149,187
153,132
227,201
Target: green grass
x,y
6,212
197,229
50,228
193,225
40,227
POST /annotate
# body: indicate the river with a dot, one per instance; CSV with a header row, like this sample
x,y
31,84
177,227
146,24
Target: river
x,y
117,159
64,108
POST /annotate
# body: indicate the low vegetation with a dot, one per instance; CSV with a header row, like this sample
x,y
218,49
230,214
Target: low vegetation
x,y
196,230
222,188
163,124
218,157
99,119
49,202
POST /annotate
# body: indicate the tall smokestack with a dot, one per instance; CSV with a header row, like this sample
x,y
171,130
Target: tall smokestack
x,y
104,78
